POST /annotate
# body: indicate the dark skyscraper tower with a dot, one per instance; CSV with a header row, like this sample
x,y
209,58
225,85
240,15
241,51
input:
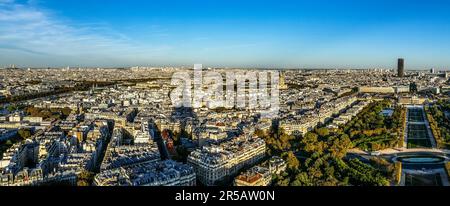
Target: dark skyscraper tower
x,y
401,67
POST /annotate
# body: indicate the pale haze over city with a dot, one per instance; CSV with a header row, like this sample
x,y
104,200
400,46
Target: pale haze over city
x,y
190,101
267,34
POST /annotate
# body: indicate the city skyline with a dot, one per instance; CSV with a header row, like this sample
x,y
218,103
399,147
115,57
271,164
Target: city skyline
x,y
266,34
131,127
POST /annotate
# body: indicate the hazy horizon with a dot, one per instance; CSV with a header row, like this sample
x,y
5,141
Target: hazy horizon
x,y
249,34
214,67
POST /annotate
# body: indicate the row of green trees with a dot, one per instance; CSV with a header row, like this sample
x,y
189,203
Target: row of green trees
x,y
361,174
53,113
319,159
277,141
370,130
80,86
22,134
439,123
13,107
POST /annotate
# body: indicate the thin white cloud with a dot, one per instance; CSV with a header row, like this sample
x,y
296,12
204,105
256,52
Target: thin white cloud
x,y
25,28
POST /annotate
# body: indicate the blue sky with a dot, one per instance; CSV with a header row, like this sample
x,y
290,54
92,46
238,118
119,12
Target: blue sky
x,y
233,33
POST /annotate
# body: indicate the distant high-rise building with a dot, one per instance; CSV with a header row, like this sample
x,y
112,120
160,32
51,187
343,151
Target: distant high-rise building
x,y
401,67
413,87
432,70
